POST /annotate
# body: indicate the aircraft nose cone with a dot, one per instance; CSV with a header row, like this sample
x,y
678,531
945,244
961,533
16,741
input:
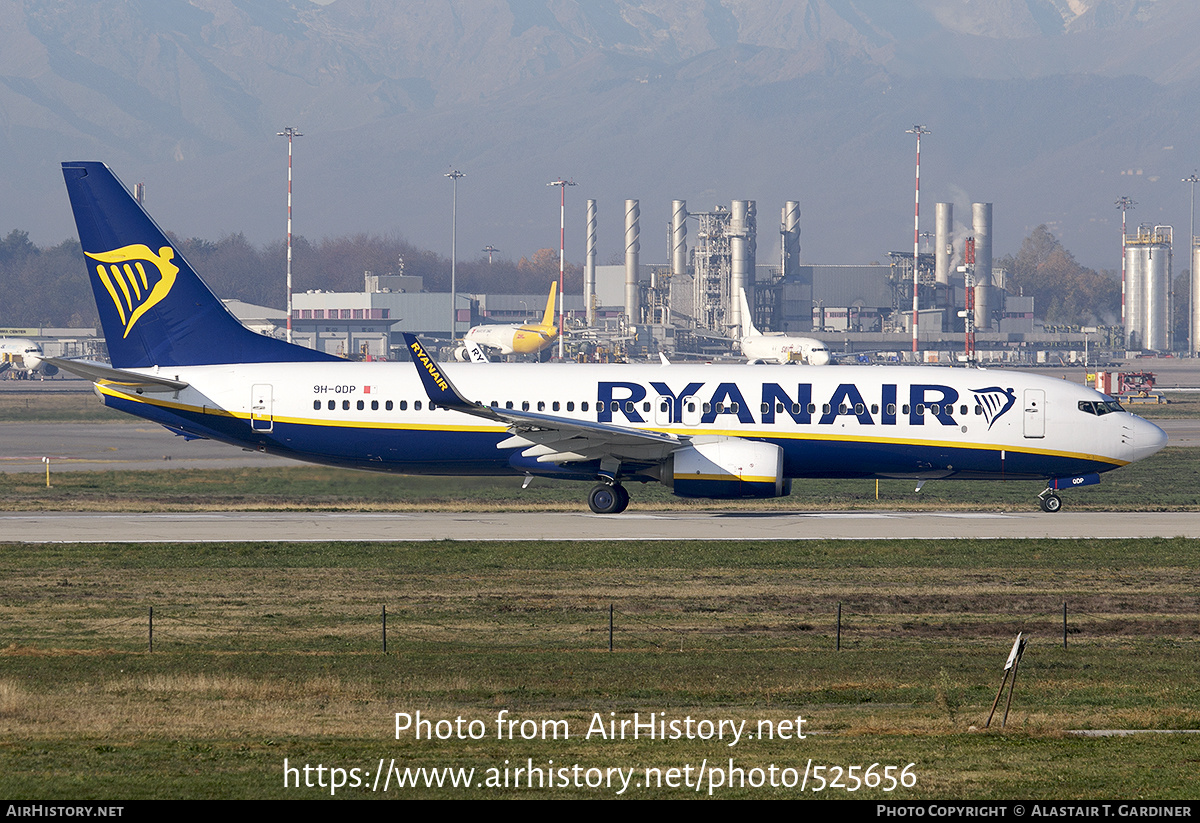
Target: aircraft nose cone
x,y
1147,438
820,358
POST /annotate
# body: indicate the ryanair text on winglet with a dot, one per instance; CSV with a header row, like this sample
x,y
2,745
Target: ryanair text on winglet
x,y
419,352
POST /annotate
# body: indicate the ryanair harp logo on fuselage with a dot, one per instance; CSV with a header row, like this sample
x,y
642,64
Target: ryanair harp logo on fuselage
x,y
994,401
136,279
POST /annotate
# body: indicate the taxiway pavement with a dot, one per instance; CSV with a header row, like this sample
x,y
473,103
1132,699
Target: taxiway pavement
x,y
39,527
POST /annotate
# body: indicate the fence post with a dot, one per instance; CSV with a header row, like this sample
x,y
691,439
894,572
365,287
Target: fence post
x,y
384,628
610,627
839,626
151,628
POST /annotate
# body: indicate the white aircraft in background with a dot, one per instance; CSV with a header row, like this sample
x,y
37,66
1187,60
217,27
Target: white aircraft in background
x,y
777,347
179,358
528,338
24,359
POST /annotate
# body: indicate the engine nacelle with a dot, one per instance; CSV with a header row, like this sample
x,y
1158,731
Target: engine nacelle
x,y
727,468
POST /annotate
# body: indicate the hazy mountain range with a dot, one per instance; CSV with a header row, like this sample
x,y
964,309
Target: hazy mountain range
x,y
1050,109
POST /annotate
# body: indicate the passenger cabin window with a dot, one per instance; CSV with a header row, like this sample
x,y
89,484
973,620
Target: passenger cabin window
x,y
416,405
345,405
317,404
388,405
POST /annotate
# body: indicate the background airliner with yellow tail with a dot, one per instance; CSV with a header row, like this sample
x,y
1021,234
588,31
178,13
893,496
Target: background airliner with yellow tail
x,y
720,431
529,338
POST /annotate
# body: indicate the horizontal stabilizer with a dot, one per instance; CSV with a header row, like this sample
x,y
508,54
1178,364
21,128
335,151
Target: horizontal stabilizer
x,y
107,375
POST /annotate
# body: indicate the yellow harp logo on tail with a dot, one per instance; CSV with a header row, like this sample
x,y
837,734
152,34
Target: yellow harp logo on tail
x,y
136,278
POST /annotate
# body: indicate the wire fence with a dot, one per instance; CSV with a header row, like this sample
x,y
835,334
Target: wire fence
x,y
612,628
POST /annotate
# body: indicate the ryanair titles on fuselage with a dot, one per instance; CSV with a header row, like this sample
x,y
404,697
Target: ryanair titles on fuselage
x,y
622,401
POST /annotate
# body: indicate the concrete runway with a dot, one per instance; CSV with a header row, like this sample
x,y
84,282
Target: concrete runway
x,y
116,446
309,526
135,445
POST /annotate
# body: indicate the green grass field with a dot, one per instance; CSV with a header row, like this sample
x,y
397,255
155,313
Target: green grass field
x,y
267,652
1168,481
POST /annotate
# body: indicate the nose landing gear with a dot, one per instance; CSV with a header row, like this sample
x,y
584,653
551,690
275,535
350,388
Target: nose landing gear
x,y
1049,501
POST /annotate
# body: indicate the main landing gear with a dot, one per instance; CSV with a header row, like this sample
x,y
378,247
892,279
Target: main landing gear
x,y
608,498
1049,501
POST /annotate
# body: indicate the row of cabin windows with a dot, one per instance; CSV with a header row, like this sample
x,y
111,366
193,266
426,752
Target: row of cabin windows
x,y
721,408
362,405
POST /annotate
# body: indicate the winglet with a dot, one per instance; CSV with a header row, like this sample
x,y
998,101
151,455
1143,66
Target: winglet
x,y
437,385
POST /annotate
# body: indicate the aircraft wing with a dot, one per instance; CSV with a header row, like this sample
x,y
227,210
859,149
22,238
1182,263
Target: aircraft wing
x,y
120,378
549,438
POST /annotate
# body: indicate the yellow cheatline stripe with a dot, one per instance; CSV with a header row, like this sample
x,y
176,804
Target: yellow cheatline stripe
x,y
891,441
758,435
303,421
742,477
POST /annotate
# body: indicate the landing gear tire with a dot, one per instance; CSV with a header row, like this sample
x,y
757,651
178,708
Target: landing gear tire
x,y
608,499
1051,503
623,498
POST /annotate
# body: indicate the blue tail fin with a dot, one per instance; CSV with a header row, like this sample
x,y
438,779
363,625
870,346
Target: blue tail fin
x,y
155,310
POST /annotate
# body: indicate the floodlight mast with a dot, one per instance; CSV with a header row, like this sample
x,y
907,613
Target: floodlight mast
x,y
918,131
562,246
1193,306
455,175
1124,204
289,132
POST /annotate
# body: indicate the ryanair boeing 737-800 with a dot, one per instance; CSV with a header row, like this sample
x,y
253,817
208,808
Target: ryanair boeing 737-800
x,y
181,359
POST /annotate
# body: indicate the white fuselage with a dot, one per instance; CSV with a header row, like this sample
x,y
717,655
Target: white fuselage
x,y
24,356
781,348
836,421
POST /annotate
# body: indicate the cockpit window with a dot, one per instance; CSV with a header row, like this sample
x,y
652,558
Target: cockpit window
x,y
1100,407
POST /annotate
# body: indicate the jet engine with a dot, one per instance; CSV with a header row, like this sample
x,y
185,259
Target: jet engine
x,y
730,467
